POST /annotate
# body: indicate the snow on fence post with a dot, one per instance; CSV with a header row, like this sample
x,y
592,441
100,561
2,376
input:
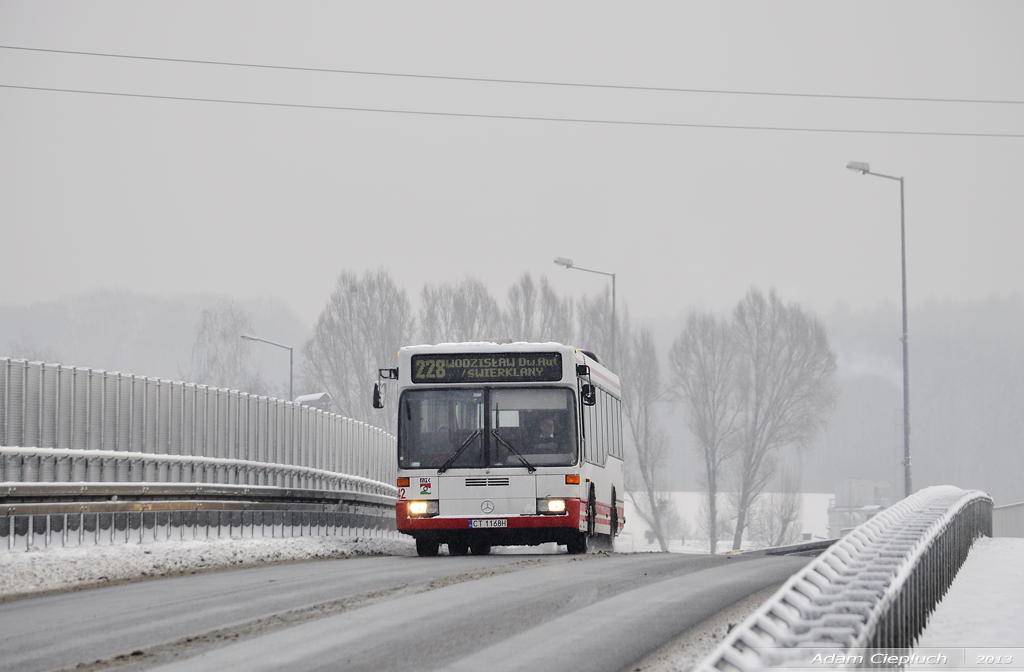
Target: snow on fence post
x,y
108,432
5,384
121,429
872,589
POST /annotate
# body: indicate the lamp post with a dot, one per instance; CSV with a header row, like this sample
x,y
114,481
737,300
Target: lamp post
x,y
865,169
291,361
562,261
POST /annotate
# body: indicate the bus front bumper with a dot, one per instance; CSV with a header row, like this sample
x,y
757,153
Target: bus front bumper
x,y
574,518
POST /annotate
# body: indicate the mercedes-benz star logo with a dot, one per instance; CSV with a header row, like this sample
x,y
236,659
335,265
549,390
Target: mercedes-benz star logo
x,y
487,506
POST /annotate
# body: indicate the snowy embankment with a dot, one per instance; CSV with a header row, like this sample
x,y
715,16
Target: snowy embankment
x,y
985,605
56,569
984,608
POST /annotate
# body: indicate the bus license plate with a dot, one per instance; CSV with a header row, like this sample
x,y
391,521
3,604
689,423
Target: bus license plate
x,y
488,522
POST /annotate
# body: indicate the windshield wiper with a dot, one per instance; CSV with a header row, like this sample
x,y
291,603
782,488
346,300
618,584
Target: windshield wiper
x,y
513,450
465,444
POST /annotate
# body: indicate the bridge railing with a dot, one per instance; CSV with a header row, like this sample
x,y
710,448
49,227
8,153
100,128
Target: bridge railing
x,y
873,589
61,424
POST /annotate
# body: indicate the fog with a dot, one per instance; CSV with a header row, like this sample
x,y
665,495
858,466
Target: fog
x,y
123,217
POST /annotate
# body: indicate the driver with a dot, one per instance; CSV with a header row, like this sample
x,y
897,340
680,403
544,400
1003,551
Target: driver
x,y
546,440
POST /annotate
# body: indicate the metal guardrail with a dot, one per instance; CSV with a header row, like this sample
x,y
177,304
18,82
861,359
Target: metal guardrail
x,y
68,424
90,456
808,548
245,471
872,589
34,516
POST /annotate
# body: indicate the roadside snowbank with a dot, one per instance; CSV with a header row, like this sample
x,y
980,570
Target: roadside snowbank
x,y
985,605
984,608
58,569
698,643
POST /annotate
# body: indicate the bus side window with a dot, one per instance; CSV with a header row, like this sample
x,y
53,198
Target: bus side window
x,y
617,427
595,444
606,418
610,441
594,438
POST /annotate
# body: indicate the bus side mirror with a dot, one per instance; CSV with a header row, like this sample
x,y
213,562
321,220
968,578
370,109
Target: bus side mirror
x,y
589,394
379,395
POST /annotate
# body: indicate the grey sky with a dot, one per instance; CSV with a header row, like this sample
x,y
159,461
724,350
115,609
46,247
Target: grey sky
x,y
172,197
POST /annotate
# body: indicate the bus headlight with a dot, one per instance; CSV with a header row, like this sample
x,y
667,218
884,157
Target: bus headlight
x,y
551,506
423,509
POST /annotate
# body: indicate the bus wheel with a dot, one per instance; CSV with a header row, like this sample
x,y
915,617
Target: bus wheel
x,y
458,548
592,513
577,543
615,516
426,547
480,548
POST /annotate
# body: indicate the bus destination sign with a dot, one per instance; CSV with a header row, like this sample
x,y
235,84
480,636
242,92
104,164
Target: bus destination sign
x,y
509,367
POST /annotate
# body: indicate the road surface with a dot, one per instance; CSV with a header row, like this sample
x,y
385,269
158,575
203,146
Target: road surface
x,y
500,612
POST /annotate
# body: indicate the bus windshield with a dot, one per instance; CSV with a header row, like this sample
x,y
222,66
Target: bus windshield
x,y
486,427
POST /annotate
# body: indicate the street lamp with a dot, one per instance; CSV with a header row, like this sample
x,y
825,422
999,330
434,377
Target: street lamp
x,y
291,360
562,261
865,169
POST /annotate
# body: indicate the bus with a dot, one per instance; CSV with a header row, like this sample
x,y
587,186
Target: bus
x,y
506,444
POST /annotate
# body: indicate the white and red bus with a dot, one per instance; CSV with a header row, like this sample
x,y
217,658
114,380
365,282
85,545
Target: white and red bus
x,y
506,444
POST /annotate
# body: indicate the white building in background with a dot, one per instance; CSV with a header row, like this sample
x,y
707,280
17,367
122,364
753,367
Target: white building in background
x,y
636,536
856,500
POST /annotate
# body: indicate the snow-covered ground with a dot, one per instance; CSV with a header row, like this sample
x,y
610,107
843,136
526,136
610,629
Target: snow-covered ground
x,y
698,643
983,608
985,605
58,569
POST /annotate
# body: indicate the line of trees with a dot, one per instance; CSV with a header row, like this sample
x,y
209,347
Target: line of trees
x,y
750,384
368,318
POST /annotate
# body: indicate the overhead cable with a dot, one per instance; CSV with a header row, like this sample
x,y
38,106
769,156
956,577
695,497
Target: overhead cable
x,y
494,80
470,115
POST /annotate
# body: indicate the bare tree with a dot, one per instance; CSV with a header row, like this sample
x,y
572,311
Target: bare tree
x,y
458,312
641,390
594,328
556,314
536,313
521,318
26,349
363,325
721,523
775,518
702,362
785,371
220,357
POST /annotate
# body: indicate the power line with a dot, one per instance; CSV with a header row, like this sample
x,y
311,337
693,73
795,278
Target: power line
x,y
492,80
471,115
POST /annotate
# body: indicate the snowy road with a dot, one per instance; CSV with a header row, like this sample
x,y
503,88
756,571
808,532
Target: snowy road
x,y
496,612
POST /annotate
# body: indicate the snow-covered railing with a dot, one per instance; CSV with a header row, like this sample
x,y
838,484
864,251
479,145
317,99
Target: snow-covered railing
x,y
247,472
62,424
38,515
873,589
